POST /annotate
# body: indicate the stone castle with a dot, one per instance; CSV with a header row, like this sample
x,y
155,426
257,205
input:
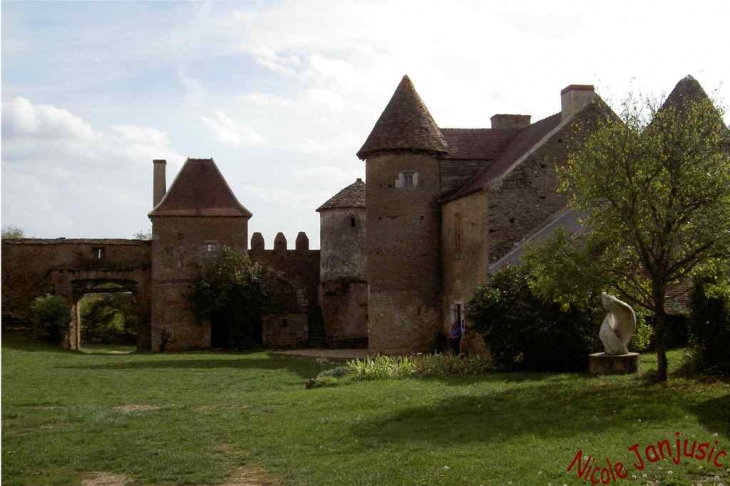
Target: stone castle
x,y
400,255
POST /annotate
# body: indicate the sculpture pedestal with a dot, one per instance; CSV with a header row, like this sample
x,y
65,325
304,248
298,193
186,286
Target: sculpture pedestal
x,y
613,364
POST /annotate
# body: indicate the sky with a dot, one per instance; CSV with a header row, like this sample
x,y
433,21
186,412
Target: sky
x,y
283,94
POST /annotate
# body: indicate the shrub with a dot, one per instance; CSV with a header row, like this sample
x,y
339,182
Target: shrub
x,y
402,367
382,367
52,316
229,292
526,332
709,325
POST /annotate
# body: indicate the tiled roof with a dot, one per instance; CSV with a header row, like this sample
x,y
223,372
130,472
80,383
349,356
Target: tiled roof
x,y
405,124
353,196
688,88
477,143
520,144
200,190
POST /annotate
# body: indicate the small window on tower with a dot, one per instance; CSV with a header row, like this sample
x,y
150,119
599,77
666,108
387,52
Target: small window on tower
x,y
97,253
352,221
407,180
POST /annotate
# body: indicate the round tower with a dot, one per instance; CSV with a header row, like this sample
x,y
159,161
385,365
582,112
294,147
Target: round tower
x,y
343,292
402,242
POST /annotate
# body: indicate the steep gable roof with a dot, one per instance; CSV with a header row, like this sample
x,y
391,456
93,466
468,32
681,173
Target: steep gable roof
x,y
519,145
200,190
405,124
477,143
353,196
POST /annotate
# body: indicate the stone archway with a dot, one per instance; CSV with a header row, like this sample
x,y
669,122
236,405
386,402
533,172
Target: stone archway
x,y
74,284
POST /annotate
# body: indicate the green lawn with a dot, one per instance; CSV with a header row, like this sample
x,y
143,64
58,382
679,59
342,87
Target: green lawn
x,y
205,418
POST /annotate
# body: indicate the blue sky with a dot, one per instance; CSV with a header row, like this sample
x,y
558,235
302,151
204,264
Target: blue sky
x,y
283,94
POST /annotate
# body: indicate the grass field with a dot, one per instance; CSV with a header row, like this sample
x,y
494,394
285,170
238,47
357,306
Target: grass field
x,y
246,419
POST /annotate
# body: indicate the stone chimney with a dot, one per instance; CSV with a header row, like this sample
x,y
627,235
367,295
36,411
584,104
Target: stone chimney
x,y
159,185
510,121
575,97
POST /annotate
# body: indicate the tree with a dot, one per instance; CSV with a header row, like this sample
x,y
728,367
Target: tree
x,y
229,292
12,233
143,235
51,315
656,190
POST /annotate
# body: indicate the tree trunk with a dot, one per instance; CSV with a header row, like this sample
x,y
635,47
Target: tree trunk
x,y
659,332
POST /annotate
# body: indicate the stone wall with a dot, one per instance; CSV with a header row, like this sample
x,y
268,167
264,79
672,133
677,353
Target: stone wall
x,y
288,330
523,200
345,313
403,261
298,274
180,245
343,293
465,257
342,236
70,268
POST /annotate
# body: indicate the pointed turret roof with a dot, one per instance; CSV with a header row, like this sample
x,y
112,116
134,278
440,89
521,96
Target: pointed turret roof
x,y
405,124
687,89
200,190
353,196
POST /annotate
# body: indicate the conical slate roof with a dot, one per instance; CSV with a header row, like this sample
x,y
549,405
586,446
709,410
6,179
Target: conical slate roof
x,y
405,124
200,190
353,196
687,89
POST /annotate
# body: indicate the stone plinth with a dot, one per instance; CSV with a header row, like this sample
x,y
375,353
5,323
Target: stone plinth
x,y
613,364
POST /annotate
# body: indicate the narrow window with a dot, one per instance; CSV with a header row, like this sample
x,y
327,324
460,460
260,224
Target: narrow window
x,y
457,236
352,221
408,180
97,253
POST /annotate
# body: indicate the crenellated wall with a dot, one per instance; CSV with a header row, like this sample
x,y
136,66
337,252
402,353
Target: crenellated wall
x,y
72,267
295,274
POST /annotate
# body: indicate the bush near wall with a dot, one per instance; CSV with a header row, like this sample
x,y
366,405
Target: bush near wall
x,y
524,332
52,316
709,325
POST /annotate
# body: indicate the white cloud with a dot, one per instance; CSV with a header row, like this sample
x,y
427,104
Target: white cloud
x,y
22,118
61,177
264,99
230,131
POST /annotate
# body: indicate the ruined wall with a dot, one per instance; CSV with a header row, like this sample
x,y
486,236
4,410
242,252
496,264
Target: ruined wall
x,y
179,246
71,267
527,197
343,293
403,254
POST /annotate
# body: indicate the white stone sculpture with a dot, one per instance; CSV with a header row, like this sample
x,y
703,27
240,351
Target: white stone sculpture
x,y
618,325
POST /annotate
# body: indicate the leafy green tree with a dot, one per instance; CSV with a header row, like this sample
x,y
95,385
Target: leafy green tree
x,y
656,190
709,323
12,233
51,315
229,292
109,318
525,331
